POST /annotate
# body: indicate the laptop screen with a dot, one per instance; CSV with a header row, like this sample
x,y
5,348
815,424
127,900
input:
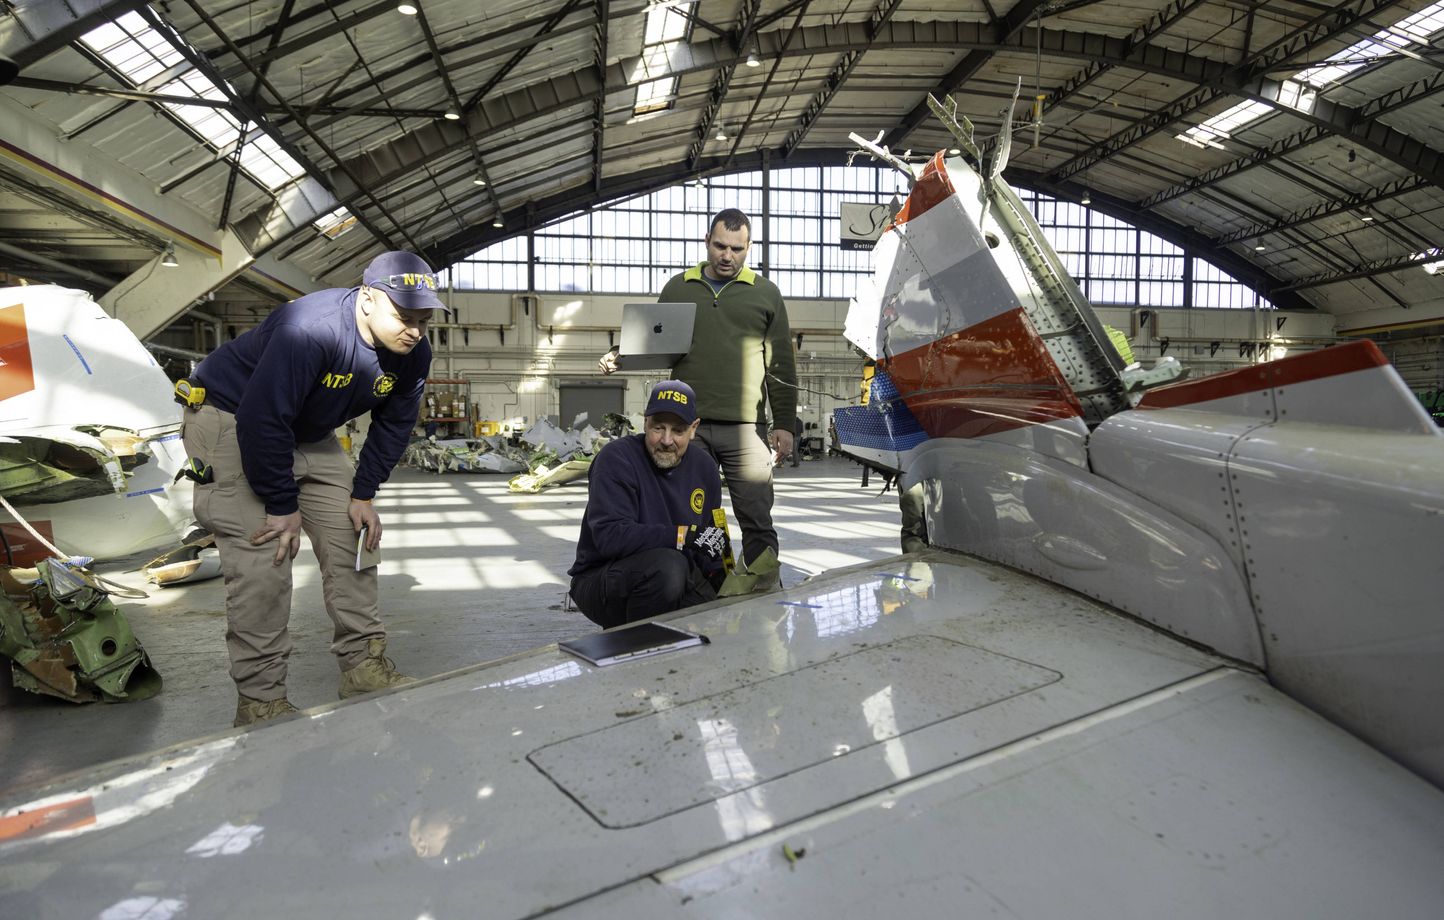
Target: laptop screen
x,y
655,335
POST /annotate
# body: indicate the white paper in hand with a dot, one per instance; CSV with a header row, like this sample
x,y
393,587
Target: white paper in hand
x,y
366,558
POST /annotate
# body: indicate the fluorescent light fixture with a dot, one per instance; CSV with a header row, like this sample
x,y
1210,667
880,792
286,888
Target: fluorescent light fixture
x,y
452,114
168,260
406,9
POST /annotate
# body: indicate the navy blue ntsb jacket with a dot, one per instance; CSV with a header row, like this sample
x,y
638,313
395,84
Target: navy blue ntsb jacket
x,y
632,505
300,375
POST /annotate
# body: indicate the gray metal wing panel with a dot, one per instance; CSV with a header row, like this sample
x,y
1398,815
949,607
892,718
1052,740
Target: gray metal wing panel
x,y
935,673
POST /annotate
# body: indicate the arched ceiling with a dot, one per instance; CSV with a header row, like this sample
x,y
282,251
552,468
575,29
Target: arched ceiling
x,y
1331,199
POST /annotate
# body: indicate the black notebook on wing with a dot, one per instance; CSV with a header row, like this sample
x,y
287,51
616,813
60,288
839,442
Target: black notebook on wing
x,y
637,641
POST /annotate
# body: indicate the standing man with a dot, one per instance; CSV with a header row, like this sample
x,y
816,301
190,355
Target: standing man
x,y
260,420
649,541
742,360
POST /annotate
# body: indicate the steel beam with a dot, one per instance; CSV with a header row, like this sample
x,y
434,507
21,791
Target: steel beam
x,y
36,28
1332,208
599,112
1011,24
398,157
1367,270
727,65
526,45
246,111
835,80
1158,23
380,166
1322,27
1332,119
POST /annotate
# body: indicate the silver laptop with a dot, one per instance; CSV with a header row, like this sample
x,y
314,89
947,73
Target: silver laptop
x,y
655,336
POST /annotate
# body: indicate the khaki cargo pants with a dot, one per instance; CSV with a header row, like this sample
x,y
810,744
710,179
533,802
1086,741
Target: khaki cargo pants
x,y
258,593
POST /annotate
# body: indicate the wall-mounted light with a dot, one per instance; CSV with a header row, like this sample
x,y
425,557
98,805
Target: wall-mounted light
x,y
168,260
406,9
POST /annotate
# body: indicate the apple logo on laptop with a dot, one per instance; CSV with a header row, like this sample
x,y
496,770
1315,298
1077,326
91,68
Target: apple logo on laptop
x,y
657,328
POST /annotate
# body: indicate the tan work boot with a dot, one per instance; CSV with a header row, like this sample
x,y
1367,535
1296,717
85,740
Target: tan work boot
x,y
249,711
374,672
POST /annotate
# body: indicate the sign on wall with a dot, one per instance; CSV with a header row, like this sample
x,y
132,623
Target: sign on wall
x,y
863,223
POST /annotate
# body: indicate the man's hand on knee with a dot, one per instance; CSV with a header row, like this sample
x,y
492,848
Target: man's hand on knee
x,y
284,528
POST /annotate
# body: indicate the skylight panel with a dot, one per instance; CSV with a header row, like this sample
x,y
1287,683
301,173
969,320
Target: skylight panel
x,y
140,53
1298,90
664,32
128,45
1219,128
265,160
336,223
666,22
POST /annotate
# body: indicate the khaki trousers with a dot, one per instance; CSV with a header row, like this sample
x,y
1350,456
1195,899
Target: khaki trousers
x,y
258,593
746,461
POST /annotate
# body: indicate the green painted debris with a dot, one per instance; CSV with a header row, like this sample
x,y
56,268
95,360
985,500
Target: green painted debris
x,y
66,639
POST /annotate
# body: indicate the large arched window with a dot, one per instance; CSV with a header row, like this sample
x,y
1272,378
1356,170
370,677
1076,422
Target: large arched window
x,y
634,245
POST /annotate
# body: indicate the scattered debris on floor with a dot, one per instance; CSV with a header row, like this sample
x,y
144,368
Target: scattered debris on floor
x,y
491,454
66,639
543,455
197,559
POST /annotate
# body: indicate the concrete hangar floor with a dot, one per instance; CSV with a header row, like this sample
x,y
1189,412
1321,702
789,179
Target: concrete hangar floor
x,y
471,573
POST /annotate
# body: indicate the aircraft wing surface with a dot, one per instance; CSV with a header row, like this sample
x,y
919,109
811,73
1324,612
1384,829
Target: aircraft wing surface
x,y
931,735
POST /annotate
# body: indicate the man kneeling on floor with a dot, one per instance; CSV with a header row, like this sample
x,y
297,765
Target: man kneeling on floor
x,y
649,543
260,420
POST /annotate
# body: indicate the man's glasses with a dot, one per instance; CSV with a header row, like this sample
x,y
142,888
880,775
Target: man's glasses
x,y
410,281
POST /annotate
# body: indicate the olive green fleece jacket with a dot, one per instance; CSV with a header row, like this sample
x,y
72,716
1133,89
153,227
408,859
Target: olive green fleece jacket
x,y
742,354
